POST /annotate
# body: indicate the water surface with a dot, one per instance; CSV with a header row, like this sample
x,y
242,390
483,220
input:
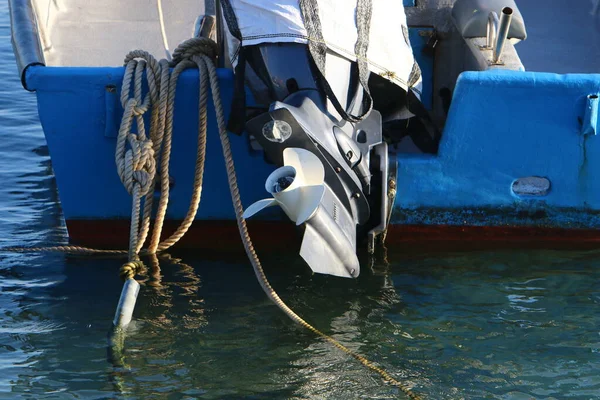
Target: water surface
x,y
490,324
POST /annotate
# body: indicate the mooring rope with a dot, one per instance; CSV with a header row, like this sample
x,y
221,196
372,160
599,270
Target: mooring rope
x,y
137,168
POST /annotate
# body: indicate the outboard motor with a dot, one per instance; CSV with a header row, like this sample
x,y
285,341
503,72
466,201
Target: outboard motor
x,y
320,127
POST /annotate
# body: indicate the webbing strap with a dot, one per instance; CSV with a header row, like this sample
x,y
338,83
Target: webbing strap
x,y
318,51
237,113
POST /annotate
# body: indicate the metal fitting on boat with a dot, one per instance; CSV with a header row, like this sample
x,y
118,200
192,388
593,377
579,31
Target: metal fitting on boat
x,y
589,125
492,30
497,32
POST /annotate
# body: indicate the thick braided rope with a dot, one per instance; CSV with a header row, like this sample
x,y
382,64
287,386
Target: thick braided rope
x,y
157,74
147,153
164,129
136,165
186,55
157,130
164,164
245,236
200,155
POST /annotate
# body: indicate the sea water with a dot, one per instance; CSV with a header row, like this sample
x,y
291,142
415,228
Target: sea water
x,y
504,324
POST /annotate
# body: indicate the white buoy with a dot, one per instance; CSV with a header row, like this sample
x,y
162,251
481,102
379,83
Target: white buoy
x,y
126,303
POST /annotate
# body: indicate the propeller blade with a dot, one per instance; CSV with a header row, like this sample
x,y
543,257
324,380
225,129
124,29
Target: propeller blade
x,y
309,169
311,198
259,206
298,186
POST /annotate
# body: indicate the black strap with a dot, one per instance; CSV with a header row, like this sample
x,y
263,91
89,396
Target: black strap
x,y
364,11
231,20
237,114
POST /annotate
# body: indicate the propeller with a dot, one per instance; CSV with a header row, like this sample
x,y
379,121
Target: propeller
x,y
299,188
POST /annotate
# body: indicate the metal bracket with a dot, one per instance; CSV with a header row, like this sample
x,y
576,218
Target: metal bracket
x,y
381,152
590,118
206,26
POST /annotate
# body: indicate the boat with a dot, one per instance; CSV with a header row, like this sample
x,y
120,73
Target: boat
x,y
490,151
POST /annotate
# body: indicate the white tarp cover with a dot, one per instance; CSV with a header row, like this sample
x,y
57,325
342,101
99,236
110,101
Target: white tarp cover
x,y
100,33
389,53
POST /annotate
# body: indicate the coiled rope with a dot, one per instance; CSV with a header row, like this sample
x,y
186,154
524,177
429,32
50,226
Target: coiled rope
x,y
137,167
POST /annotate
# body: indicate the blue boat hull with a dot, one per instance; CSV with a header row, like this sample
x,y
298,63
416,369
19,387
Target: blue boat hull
x,y
501,127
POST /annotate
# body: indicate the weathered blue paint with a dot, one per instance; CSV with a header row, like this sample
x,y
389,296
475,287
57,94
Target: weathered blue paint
x,y
503,126
409,3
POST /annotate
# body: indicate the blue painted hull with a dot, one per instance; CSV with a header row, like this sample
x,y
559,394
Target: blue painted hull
x,y
502,126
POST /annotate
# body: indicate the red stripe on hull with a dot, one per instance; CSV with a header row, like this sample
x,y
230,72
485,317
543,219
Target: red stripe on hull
x,y
475,237
223,235
214,235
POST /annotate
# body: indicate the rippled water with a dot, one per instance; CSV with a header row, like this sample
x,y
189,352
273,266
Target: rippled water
x,y
494,324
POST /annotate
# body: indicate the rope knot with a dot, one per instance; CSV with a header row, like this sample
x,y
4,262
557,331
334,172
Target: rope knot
x,y
137,165
138,110
143,179
130,269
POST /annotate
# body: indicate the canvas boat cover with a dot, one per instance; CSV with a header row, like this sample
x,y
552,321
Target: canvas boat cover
x,y
374,32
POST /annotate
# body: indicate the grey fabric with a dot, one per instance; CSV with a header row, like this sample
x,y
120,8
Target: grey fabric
x,y
414,77
312,23
364,10
230,19
405,34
